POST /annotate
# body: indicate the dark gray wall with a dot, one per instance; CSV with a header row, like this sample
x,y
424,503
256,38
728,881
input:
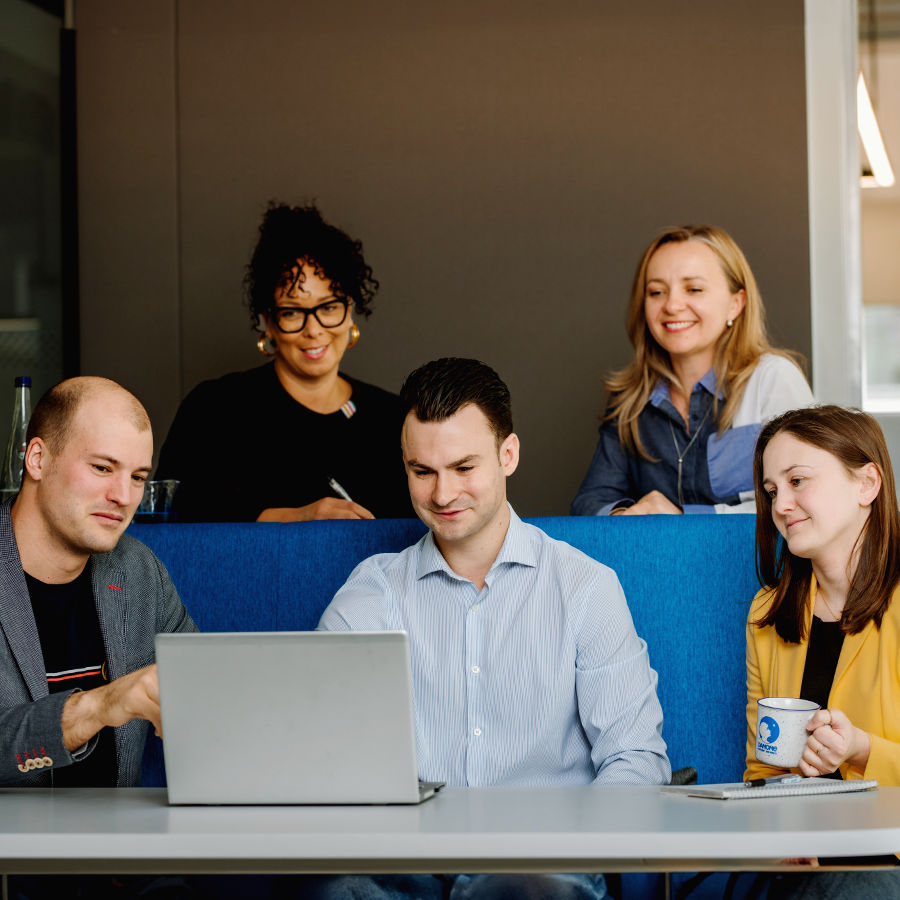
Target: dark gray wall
x,y
504,164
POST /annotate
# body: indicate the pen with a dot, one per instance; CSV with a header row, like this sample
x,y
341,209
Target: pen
x,y
780,779
336,487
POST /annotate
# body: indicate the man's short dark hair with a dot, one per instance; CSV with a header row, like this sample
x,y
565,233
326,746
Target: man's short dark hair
x,y
439,389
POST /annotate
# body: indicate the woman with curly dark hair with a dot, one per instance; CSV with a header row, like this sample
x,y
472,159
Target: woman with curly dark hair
x,y
295,439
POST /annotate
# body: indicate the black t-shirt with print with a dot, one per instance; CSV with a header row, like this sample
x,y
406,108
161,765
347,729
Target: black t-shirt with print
x,y
74,657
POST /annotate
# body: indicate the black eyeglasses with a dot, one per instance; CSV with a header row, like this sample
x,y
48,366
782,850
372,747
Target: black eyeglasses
x,y
291,319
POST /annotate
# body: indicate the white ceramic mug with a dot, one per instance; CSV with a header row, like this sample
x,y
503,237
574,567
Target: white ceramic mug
x,y
781,730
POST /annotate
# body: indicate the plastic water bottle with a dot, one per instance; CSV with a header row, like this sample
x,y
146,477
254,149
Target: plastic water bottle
x,y
13,460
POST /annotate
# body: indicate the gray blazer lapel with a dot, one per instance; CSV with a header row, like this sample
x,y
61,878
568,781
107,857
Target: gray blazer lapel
x,y
110,597
16,616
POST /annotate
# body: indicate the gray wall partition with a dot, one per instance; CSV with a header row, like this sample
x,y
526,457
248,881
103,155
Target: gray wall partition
x,y
504,164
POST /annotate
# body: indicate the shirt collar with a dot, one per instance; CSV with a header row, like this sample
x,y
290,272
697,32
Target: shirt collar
x,y
518,549
708,381
661,392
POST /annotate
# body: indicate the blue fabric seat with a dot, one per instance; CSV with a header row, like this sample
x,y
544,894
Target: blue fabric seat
x,y
688,580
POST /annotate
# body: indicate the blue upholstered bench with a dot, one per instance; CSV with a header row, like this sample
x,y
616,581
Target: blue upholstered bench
x,y
688,580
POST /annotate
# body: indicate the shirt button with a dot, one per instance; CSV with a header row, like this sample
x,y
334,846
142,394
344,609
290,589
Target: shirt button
x,y
475,607
476,732
476,670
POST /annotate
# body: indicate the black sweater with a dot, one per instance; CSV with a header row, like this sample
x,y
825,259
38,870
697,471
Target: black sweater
x,y
241,444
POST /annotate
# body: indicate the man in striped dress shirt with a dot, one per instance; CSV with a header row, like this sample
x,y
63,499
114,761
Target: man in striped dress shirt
x,y
526,666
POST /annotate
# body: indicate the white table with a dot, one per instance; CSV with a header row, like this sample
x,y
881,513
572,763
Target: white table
x,y
608,829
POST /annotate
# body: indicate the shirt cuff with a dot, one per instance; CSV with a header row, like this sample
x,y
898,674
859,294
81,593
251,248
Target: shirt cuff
x,y
693,509
608,509
85,750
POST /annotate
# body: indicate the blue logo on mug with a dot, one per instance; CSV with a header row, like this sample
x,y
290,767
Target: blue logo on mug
x,y
768,729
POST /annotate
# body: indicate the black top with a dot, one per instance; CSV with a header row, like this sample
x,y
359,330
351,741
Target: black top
x,y
241,444
822,653
74,657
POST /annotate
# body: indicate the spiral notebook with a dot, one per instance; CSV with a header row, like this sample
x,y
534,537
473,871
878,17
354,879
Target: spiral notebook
x,y
739,791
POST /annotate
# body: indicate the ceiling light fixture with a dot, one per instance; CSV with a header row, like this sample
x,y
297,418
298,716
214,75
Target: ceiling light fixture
x,y
882,173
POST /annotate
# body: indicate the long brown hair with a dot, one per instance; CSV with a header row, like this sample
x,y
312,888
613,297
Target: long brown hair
x,y
737,352
855,439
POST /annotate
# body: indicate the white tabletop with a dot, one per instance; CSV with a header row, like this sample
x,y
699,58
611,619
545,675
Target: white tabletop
x,y
461,830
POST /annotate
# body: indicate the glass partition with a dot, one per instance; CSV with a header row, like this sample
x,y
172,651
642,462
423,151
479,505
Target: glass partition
x,y
31,308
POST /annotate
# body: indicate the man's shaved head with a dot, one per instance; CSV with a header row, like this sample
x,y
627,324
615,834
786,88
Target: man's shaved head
x,y
55,412
89,453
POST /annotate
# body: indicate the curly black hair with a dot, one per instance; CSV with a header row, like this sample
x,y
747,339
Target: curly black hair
x,y
289,233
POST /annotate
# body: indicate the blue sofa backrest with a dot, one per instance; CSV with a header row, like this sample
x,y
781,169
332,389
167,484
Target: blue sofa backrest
x,y
688,579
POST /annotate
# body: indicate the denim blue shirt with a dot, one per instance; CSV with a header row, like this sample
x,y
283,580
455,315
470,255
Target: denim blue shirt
x,y
715,470
537,679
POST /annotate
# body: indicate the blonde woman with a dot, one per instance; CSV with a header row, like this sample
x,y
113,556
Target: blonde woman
x,y
683,417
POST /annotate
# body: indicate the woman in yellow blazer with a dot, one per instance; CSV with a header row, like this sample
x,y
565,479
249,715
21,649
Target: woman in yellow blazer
x,y
826,626
866,686
824,482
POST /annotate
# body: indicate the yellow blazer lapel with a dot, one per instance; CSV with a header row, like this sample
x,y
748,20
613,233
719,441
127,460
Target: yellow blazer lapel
x,y
853,643
791,659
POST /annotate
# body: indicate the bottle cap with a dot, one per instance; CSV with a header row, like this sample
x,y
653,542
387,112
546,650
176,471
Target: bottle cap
x,y
23,381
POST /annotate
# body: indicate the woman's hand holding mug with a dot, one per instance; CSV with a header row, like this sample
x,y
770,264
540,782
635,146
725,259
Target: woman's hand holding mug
x,y
833,740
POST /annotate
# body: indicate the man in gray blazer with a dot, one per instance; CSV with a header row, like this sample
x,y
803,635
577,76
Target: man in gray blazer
x,y
80,602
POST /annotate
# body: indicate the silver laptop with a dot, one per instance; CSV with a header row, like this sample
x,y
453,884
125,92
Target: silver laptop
x,y
288,717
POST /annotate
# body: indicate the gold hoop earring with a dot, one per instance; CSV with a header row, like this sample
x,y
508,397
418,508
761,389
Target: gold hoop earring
x,y
354,337
265,345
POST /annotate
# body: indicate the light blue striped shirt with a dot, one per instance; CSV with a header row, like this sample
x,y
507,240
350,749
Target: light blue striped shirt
x,y
538,679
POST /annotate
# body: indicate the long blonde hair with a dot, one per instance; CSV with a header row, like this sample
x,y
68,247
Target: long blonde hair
x,y
737,351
